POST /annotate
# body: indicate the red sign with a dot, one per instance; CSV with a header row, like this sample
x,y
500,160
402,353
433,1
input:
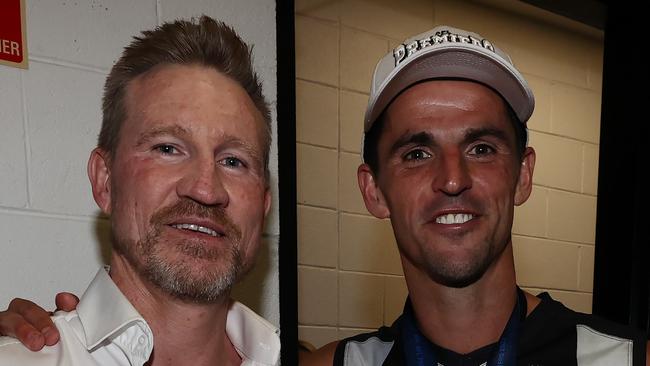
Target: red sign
x,y
13,45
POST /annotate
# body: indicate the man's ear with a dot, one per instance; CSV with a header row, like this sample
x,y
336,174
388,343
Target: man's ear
x,y
525,180
99,174
372,195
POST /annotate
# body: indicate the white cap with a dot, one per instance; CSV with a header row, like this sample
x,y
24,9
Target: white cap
x,y
446,52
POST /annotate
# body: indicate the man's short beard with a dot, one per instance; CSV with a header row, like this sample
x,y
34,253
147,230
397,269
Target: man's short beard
x,y
175,267
462,275
456,277
180,280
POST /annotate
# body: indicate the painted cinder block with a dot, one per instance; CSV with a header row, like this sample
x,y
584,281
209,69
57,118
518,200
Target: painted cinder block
x,y
44,254
368,245
559,161
319,303
318,236
64,118
90,33
583,122
571,217
393,19
535,257
351,113
350,199
327,10
317,121
359,54
317,175
361,300
13,164
317,50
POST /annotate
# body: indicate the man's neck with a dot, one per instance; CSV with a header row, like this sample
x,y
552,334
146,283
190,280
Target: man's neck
x,y
184,332
465,319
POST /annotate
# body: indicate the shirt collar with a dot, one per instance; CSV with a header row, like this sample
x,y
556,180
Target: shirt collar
x,y
254,338
105,312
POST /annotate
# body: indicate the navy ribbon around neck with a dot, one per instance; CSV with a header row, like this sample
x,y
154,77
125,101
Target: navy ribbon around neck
x,y
418,351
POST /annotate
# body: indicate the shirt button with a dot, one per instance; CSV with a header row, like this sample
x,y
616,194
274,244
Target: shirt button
x,y
142,339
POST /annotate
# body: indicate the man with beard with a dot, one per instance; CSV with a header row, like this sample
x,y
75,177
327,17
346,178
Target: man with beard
x,y
181,167
446,160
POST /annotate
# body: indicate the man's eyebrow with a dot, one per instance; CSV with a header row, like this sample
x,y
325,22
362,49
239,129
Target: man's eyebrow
x,y
474,134
241,144
420,138
426,139
174,130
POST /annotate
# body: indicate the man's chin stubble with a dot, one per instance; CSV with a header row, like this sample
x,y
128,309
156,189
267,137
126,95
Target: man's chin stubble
x,y
182,281
178,278
456,275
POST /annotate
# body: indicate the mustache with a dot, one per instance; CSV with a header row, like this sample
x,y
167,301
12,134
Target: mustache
x,y
187,207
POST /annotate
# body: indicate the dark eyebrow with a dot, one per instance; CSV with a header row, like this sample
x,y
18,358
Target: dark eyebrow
x,y
148,135
474,134
420,138
426,139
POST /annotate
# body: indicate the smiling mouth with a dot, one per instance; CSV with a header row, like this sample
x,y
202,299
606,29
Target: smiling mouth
x,y
451,219
197,228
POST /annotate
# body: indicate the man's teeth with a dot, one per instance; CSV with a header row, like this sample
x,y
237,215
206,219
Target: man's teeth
x,y
453,219
198,228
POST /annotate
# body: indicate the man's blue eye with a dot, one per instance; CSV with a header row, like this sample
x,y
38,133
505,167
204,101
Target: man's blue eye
x,y
234,162
166,149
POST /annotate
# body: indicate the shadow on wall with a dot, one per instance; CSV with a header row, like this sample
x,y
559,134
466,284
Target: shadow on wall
x,y
249,291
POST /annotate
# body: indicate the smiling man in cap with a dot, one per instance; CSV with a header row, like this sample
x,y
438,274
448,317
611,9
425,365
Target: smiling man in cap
x,y
446,160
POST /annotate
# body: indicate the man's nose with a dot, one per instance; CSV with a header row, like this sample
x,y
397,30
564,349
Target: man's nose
x,y
452,176
203,183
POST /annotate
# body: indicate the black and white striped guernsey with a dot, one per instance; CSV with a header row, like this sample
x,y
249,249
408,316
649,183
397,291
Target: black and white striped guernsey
x,y
551,335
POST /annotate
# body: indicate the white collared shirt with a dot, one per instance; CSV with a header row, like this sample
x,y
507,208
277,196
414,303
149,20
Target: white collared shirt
x,y
106,330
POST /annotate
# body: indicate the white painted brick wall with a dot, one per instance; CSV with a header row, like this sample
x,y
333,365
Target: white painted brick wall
x,y
63,116
13,176
51,235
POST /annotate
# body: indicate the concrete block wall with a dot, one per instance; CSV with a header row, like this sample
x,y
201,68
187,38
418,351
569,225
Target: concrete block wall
x,y
350,277
52,237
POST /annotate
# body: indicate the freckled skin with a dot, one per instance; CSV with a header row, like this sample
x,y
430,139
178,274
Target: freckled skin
x,y
206,149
